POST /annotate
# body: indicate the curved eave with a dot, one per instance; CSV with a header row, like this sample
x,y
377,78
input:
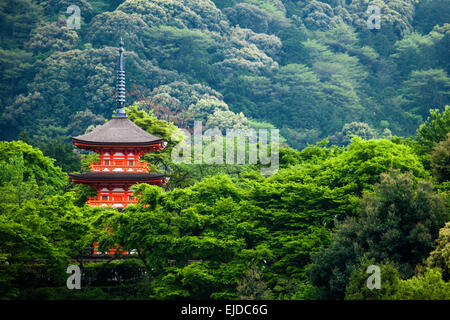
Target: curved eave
x,y
117,178
150,145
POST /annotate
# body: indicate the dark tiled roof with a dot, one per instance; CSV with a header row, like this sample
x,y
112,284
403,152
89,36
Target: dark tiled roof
x,y
116,176
118,131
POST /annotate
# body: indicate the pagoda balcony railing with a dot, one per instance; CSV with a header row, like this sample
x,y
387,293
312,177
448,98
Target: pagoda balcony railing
x,y
92,252
94,201
97,166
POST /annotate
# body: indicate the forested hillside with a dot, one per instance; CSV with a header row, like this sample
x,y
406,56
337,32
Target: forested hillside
x,y
309,68
364,160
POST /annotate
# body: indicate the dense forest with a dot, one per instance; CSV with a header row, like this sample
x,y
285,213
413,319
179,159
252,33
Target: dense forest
x,y
364,160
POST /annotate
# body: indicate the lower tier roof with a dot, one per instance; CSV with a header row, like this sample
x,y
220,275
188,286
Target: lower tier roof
x,y
116,176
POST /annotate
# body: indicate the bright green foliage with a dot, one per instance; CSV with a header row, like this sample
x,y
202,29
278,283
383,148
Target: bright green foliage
x,y
159,128
428,286
358,168
357,288
197,242
51,231
278,221
430,133
214,221
26,173
434,130
64,225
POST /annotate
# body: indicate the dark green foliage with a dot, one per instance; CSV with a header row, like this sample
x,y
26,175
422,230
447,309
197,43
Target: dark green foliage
x,y
397,223
440,257
425,89
309,68
63,153
440,160
17,19
430,13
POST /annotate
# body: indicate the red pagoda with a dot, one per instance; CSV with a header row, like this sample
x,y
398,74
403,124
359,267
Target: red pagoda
x,y
120,144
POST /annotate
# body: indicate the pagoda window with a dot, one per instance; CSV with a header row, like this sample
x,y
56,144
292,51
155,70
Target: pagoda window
x,y
131,163
104,197
106,162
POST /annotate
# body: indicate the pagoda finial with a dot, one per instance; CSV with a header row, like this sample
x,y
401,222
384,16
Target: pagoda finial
x,y
120,85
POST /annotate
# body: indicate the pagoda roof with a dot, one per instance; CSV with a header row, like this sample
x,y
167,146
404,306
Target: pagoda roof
x,y
120,130
115,176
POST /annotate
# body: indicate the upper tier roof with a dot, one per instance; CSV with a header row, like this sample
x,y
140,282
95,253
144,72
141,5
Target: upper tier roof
x,y
118,131
116,176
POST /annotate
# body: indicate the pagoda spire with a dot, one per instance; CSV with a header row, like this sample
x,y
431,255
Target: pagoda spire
x,y
120,85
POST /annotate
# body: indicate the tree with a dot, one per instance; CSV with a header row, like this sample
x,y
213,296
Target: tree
x,y
359,129
440,160
191,14
52,37
398,222
434,130
160,128
64,153
249,16
431,13
418,52
57,7
26,173
440,256
50,231
14,188
207,107
319,15
426,89
252,286
17,70
227,120
423,286
427,286
82,120
357,286
18,18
